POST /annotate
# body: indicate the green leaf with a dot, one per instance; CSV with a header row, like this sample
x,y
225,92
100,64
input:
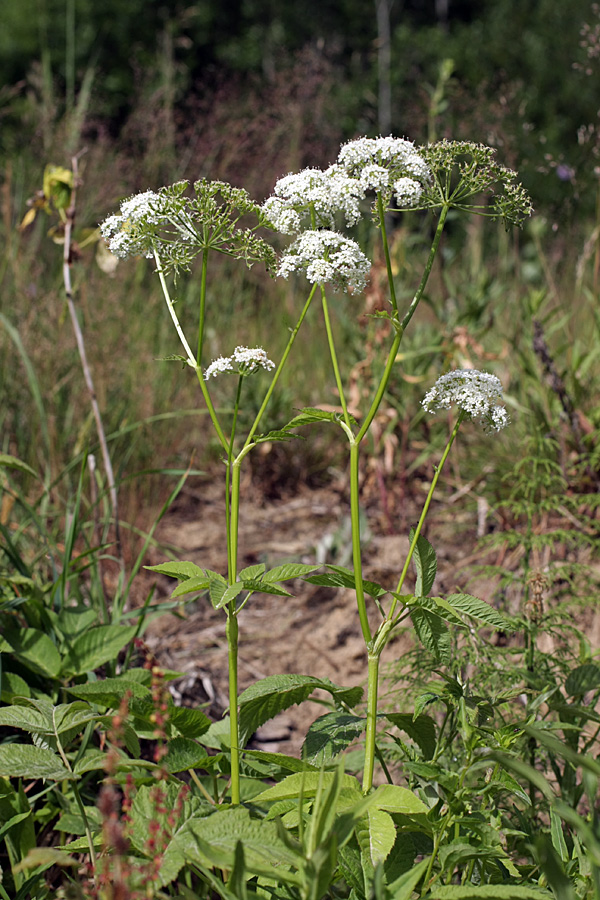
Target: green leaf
x,y
287,572
109,692
329,735
265,587
270,696
13,686
25,761
190,723
12,462
377,835
309,415
35,649
226,596
488,892
339,576
179,570
184,753
273,436
476,609
306,783
96,647
395,799
583,679
280,761
217,835
421,729
425,563
433,634
402,888
190,585
252,572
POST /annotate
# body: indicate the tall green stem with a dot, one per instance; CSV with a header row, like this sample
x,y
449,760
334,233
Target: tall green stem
x,y
334,360
418,529
232,645
201,316
356,554
279,368
386,252
372,691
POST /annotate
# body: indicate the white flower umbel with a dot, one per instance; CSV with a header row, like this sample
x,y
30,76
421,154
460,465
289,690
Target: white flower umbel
x,y
244,361
385,165
478,394
327,257
322,193
132,232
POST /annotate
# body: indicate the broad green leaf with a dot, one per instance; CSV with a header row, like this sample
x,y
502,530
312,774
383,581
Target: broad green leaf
x,y
272,436
27,719
35,649
25,761
45,856
184,753
264,699
466,604
96,647
216,588
396,799
12,462
190,723
307,783
524,770
342,577
91,761
421,729
287,572
377,834
329,735
425,562
280,761
309,415
179,570
265,587
433,634
488,892
219,834
252,572
73,622
190,585
583,679
558,837
402,888
110,691
13,686
229,594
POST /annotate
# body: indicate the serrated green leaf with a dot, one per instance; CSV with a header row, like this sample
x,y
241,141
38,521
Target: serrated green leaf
x,y
280,761
190,585
287,571
13,686
583,679
306,783
425,562
396,799
91,761
476,609
341,577
96,647
329,735
190,723
25,761
380,834
421,729
252,571
264,587
110,691
181,570
229,594
216,588
433,634
275,436
270,696
309,415
183,754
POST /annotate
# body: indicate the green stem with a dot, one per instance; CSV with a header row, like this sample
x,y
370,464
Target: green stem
x,y
356,554
372,691
386,251
428,266
279,368
232,645
419,527
211,410
234,520
231,562
334,361
202,305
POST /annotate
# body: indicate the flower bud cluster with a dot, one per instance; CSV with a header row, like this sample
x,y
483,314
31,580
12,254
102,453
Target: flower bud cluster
x,y
478,394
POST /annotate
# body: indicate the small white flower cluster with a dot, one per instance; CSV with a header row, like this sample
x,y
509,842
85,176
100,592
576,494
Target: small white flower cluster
x,y
479,394
325,193
326,256
127,234
244,361
385,164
